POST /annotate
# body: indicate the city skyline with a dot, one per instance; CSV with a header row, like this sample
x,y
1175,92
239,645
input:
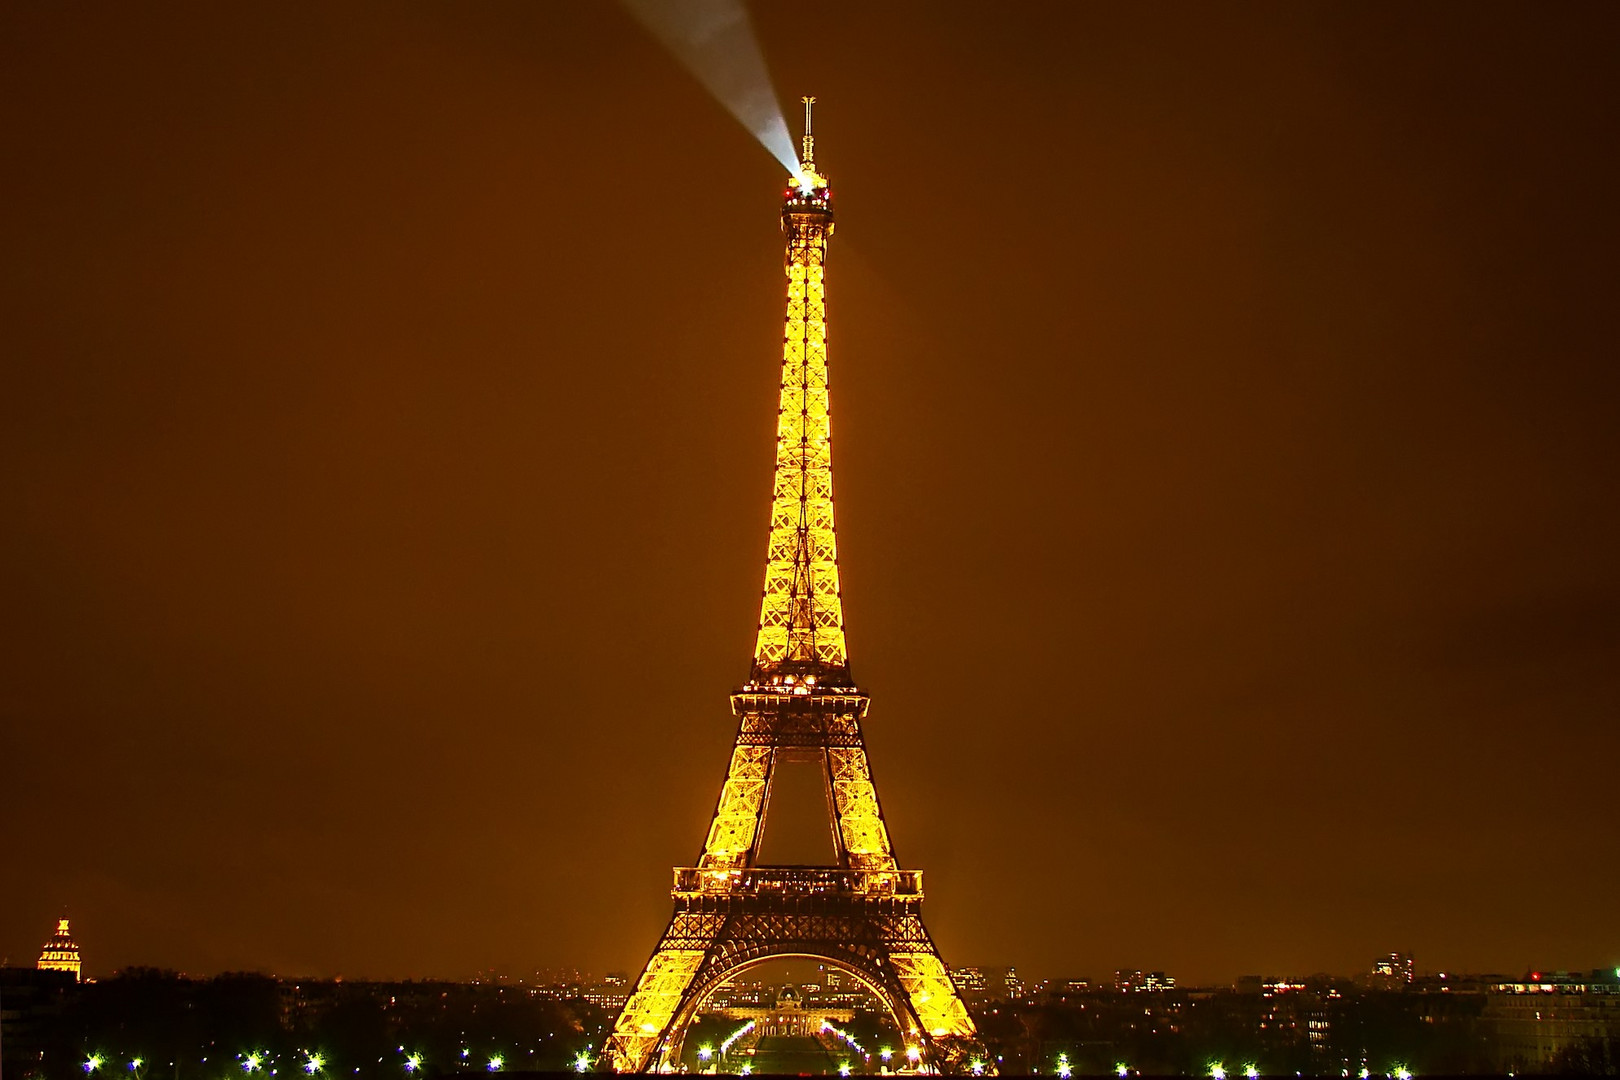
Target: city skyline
x,y
1227,460
1393,970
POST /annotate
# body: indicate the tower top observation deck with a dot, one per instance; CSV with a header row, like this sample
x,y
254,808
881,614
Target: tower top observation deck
x,y
61,952
807,192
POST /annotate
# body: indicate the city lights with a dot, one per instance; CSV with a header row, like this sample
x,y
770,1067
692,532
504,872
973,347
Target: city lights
x,y
725,1046
563,1046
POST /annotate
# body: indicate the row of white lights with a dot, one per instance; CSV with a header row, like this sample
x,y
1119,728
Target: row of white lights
x,y
1217,1071
315,1062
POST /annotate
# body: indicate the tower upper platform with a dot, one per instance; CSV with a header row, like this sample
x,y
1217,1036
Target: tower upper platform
x,y
61,952
808,197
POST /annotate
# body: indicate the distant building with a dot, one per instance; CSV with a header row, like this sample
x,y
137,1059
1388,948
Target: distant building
x,y
1142,982
31,1005
788,1013
1267,985
1013,984
1057,991
1393,972
611,993
1548,1015
740,993
978,984
61,953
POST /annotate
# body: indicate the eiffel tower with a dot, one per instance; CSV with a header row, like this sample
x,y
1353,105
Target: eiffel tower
x,y
861,913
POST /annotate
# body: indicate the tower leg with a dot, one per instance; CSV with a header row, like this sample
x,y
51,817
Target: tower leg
x,y
663,988
734,833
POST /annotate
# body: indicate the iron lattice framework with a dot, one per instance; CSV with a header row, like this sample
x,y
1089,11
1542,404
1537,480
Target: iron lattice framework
x,y
862,913
61,952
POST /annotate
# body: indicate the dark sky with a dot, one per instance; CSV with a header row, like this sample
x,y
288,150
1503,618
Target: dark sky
x,y
1228,442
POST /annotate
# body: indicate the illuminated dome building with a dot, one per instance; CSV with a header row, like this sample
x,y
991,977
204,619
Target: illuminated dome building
x,y
60,952
790,1014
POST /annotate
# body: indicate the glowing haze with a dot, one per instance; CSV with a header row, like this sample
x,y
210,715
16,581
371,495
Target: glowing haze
x,y
714,40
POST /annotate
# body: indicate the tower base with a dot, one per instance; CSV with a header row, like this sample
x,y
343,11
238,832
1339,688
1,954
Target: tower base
x,y
867,924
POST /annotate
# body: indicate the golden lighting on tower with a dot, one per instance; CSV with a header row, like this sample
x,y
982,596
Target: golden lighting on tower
x,y
861,912
801,619
61,953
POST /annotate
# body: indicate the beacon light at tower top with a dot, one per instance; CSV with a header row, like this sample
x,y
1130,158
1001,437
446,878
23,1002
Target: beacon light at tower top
x,y
806,183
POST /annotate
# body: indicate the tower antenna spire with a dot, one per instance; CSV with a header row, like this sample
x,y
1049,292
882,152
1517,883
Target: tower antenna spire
x,y
809,154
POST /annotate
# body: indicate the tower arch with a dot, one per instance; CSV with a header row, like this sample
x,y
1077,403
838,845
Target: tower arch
x,y
861,971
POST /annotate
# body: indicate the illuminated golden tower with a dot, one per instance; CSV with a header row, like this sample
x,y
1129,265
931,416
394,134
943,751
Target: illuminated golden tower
x,y
861,913
60,952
